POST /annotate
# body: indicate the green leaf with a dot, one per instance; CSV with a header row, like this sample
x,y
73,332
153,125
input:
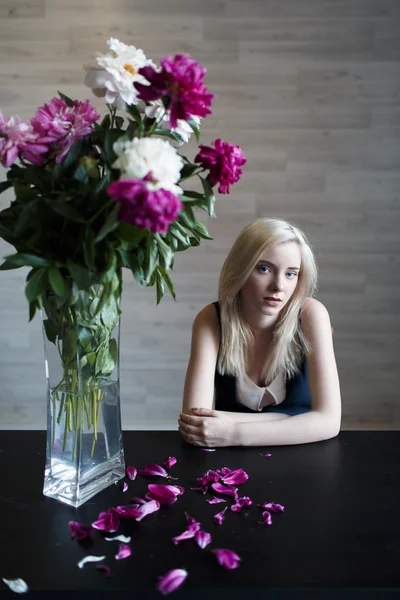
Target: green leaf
x,y
56,281
188,169
131,233
36,284
33,306
136,269
172,135
166,254
195,129
179,233
24,193
51,330
209,196
68,100
27,218
119,121
73,154
88,247
112,136
192,194
81,174
168,281
187,218
131,129
106,122
79,273
106,293
21,259
110,224
4,185
151,256
202,230
159,286
134,112
65,210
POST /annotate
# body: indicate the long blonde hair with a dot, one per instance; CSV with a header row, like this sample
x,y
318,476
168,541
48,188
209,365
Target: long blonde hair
x,y
289,346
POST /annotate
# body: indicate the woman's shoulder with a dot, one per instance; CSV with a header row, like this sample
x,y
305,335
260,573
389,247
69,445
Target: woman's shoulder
x,y
208,317
314,313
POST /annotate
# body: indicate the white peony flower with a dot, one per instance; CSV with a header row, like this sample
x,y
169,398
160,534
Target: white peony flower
x,y
141,156
114,73
157,110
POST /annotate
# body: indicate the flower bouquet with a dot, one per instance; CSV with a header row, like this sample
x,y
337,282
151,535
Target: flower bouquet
x,y
92,196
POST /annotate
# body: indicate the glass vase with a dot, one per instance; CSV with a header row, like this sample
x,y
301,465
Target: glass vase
x,y
84,450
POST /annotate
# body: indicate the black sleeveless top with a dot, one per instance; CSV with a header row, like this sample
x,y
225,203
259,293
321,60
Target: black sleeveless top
x,y
297,400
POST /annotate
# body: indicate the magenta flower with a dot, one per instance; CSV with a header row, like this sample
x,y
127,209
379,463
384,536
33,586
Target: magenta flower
x,y
219,517
15,135
107,521
164,494
240,503
203,538
131,472
227,558
58,125
123,552
170,462
78,531
224,162
180,84
145,208
171,581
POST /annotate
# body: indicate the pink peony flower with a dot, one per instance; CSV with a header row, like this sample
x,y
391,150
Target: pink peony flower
x,y
15,136
227,558
180,83
224,162
57,126
144,208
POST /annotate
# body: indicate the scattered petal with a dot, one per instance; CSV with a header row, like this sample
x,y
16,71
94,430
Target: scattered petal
x,y
227,490
208,449
272,507
125,487
235,477
105,568
78,531
16,585
165,494
209,477
219,517
153,470
128,511
131,472
147,509
191,521
267,518
240,503
186,535
203,538
265,454
123,552
171,581
119,538
107,521
89,559
215,500
138,500
170,462
227,558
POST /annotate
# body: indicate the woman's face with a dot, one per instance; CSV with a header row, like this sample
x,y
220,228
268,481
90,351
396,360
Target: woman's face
x,y
275,275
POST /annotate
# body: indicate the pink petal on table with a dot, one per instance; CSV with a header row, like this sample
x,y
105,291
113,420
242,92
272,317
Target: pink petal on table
x,y
107,521
208,449
153,470
138,500
272,507
215,500
265,454
131,472
240,503
227,490
147,509
125,487
267,518
105,568
191,521
163,493
171,581
123,552
219,517
235,477
203,538
186,535
227,558
208,477
78,531
170,462
128,512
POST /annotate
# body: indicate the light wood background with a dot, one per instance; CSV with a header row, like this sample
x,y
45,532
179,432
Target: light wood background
x,y
310,90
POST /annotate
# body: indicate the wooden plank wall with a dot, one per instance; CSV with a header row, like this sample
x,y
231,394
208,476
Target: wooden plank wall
x,y
310,90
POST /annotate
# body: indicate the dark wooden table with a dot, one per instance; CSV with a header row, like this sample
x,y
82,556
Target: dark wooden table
x,y
339,536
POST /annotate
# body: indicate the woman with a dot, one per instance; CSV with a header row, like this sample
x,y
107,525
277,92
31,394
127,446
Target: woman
x,y
262,368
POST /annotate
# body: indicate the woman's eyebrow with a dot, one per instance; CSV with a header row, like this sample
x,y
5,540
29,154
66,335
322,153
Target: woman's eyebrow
x,y
267,262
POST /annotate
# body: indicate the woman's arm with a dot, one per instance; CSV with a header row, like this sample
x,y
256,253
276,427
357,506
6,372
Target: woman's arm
x,y
200,374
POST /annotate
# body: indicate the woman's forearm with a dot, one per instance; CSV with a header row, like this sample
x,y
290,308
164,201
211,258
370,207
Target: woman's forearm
x,y
312,426
251,417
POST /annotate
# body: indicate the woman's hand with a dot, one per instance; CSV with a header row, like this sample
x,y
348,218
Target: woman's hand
x,y
206,427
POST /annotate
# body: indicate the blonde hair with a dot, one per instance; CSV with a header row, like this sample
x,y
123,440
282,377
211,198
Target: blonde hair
x,y
289,346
